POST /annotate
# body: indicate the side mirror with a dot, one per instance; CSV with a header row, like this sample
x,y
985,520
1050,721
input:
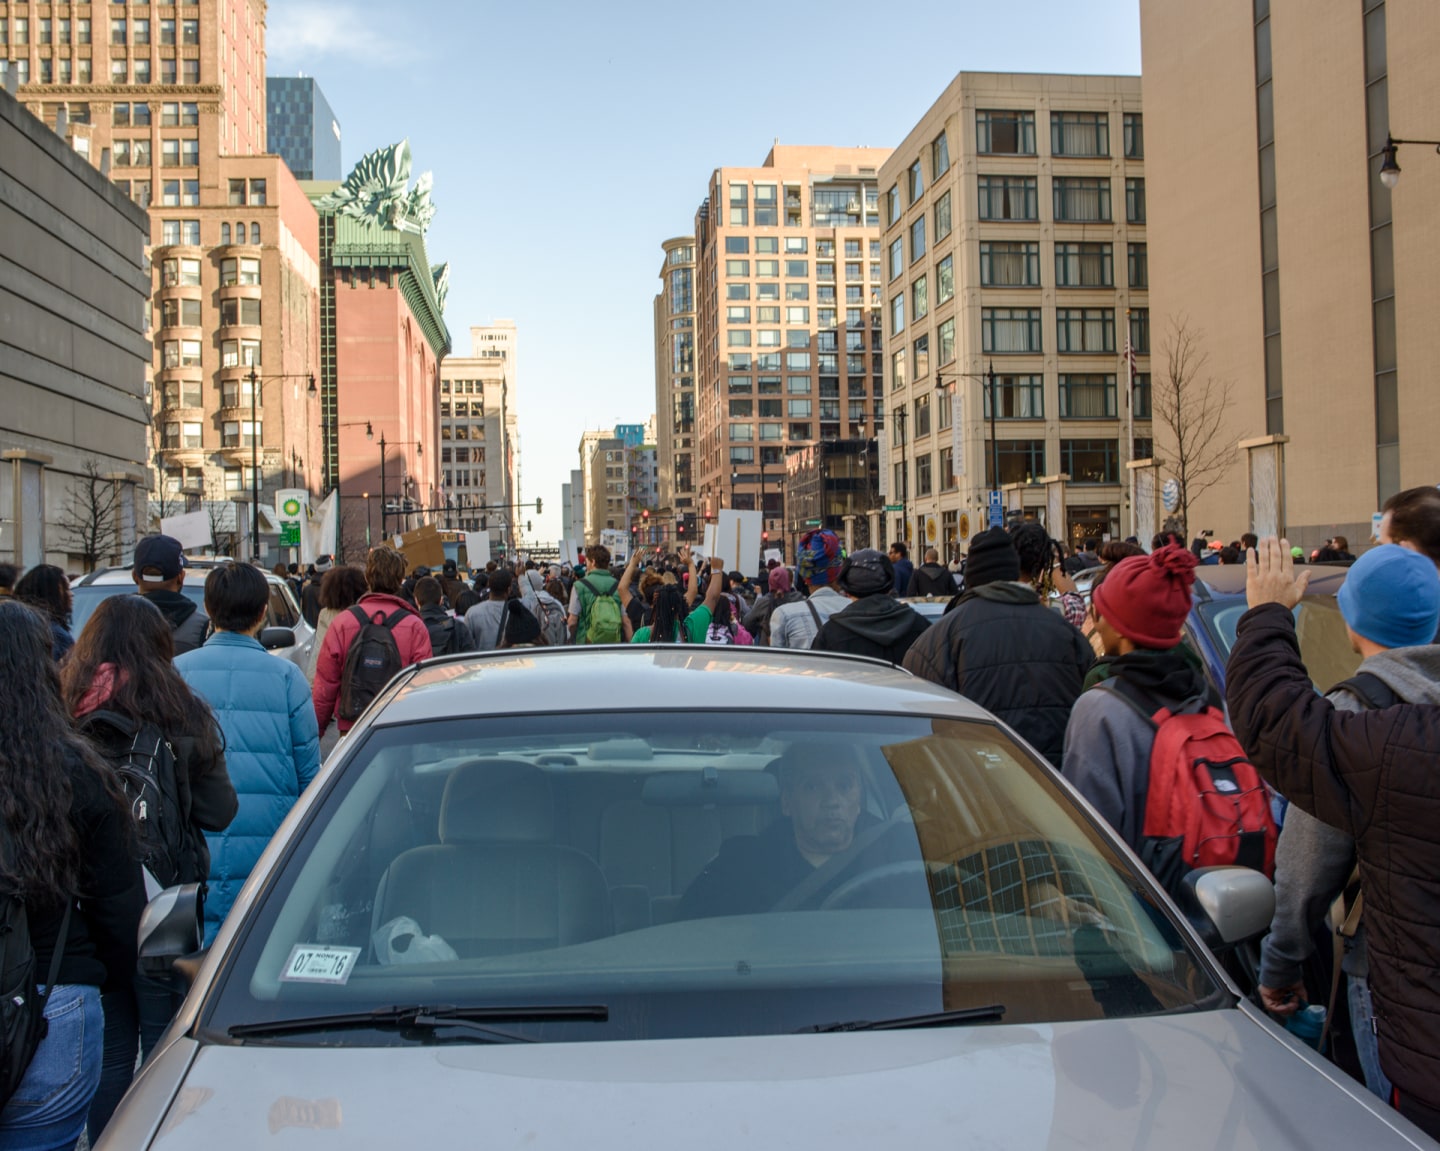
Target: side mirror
x,y
277,637
171,928
1227,905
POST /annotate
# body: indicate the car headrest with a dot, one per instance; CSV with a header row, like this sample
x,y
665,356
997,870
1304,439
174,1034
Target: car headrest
x,y
497,801
710,787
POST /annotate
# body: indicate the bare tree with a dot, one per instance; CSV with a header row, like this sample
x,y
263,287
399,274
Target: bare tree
x,y
162,502
222,523
1189,406
92,514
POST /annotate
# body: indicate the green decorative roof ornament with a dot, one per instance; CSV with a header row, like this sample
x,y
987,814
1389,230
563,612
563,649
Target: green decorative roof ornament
x,y
441,273
376,191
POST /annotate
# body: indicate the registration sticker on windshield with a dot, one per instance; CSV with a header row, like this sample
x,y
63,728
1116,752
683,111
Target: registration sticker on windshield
x,y
314,963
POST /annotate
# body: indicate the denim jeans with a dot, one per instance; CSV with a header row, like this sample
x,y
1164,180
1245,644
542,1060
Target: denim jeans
x,y
135,1019
48,1110
1367,1044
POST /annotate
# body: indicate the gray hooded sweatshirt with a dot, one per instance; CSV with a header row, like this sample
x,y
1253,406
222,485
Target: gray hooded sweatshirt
x,y
1313,861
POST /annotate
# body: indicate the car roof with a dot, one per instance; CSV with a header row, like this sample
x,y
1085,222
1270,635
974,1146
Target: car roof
x,y
121,575
1214,581
653,676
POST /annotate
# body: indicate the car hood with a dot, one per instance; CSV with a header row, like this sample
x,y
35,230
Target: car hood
x,y
1206,1080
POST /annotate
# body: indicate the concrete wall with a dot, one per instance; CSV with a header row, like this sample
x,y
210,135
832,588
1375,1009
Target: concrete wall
x,y
73,350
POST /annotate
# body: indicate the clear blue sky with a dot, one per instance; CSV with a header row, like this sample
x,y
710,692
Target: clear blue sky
x,y
569,139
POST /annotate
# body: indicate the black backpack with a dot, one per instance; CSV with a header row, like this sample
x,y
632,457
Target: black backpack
x,y
22,1005
372,662
444,636
146,764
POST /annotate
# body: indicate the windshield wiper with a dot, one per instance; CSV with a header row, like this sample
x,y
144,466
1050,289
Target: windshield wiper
x,y
429,1018
939,1019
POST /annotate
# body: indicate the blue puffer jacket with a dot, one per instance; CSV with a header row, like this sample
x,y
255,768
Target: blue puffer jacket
x,y
272,750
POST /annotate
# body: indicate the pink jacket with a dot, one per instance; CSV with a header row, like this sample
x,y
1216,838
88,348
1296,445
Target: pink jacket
x,y
411,637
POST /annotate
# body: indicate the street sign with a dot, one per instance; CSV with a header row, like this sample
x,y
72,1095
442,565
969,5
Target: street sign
x,y
894,507
812,523
1170,495
997,512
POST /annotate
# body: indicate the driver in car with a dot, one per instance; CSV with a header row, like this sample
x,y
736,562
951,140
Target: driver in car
x,y
821,821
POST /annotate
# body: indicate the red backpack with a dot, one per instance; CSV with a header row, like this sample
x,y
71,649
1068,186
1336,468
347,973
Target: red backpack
x,y
1206,804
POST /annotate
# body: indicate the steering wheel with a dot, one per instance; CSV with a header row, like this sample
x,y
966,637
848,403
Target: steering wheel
x,y
850,892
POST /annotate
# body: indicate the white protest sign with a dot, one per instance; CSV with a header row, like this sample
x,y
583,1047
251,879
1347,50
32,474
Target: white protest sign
x,y
192,529
708,548
737,539
477,549
773,554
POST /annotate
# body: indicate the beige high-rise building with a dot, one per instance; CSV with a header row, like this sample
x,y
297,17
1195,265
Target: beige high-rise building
x,y
1015,239
1310,284
787,333
675,384
480,438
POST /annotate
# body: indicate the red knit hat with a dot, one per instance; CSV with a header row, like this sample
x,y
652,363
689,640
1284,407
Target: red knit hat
x,y
1146,598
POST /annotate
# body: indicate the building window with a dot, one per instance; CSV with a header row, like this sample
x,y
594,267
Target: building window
x,y
167,31
1091,461
1021,461
237,193
1134,136
945,342
767,213
737,245
921,349
1134,200
82,31
170,153
1009,264
942,217
1085,330
939,157
1140,331
1009,198
1084,266
1083,199
945,280
897,256
920,297
1079,134
892,206
190,31
924,477
140,32
793,291
1138,267
1019,397
1087,397
897,314
240,311
1004,330
167,70
190,436
190,71
190,153
119,71
185,313
922,414
915,182
1005,133
117,31
189,353
899,369
1141,396
241,433
917,239
797,269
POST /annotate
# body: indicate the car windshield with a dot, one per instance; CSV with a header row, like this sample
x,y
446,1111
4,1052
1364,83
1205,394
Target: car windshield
x,y
692,874
1319,626
88,597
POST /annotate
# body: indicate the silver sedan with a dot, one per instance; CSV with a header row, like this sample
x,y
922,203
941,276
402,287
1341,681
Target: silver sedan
x,y
713,897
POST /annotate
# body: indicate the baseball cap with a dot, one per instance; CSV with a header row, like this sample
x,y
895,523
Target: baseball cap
x,y
158,554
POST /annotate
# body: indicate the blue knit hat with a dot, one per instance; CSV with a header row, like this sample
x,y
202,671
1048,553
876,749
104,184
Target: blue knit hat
x,y
1391,596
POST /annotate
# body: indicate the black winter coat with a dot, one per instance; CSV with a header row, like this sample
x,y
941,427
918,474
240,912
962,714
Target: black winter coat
x,y
932,579
1005,650
879,626
1376,776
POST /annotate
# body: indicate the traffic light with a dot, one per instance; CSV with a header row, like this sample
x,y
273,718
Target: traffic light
x,y
680,528
527,525
765,537
539,506
645,513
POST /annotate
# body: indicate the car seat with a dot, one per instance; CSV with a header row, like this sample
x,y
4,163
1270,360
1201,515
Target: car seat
x,y
496,883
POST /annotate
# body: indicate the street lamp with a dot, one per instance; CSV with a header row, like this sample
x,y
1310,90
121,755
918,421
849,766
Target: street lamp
x,y
384,506
993,399
900,415
256,383
1389,169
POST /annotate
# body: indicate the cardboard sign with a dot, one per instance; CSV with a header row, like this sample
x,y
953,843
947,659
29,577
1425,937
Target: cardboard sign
x,y
422,548
737,539
192,529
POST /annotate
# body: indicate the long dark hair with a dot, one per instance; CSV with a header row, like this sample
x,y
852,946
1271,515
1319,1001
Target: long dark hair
x,y
45,588
37,748
129,632
669,614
